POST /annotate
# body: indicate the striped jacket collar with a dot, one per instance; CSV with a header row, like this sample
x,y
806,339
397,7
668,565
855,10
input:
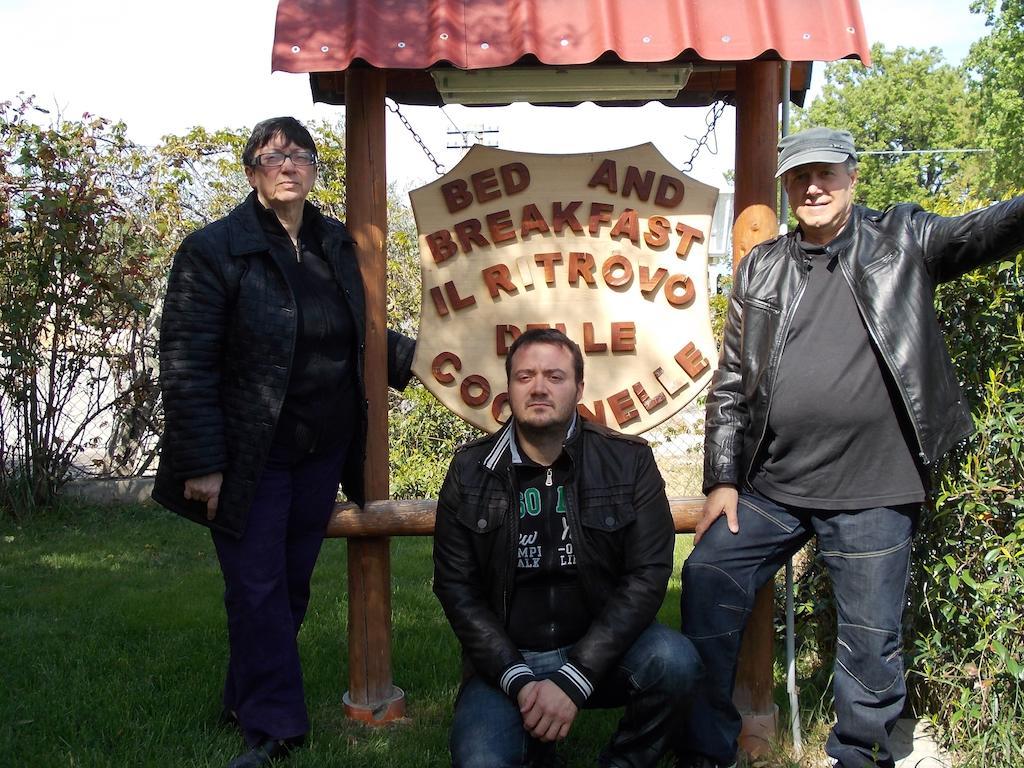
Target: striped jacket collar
x,y
505,450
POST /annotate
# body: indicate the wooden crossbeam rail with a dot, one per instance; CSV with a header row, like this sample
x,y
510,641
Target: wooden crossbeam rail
x,y
415,517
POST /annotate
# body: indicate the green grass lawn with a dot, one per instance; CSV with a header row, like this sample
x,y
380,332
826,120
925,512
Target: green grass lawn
x,y
113,644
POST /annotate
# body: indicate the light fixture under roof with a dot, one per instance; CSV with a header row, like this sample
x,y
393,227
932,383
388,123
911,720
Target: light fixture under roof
x,y
560,85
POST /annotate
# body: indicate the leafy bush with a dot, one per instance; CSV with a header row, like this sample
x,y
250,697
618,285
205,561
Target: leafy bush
x,y
967,615
75,277
963,638
423,437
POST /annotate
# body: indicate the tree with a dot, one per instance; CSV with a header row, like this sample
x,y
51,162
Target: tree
x,y
201,176
996,63
908,103
72,286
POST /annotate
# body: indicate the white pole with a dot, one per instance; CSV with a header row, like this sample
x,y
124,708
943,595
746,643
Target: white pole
x,y
794,698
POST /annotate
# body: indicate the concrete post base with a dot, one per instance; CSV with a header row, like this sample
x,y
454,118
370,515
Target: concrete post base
x,y
760,729
377,713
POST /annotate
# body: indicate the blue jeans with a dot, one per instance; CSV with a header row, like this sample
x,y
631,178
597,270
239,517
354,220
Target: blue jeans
x,y
867,553
652,680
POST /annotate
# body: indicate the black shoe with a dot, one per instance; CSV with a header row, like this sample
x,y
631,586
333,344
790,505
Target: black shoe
x,y
266,752
228,718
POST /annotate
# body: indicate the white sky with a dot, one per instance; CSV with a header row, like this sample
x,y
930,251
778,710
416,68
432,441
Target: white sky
x,y
164,67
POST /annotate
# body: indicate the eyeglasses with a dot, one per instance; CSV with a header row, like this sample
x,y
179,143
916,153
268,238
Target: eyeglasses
x,y
275,159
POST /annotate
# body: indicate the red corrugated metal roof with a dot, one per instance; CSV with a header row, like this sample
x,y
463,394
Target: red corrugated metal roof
x,y
327,35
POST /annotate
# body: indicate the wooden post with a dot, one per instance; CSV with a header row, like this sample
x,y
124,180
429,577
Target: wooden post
x,y
371,698
757,128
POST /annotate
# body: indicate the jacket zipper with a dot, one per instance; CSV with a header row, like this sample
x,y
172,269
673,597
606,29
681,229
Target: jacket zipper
x,y
888,362
576,530
513,529
784,332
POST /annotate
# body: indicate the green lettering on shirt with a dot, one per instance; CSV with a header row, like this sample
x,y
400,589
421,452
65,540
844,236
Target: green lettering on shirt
x,y
560,506
529,502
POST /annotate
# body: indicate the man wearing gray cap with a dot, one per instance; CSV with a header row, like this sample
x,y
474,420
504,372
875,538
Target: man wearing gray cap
x,y
833,398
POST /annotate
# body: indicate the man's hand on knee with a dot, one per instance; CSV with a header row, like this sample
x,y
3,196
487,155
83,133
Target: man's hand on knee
x,y
722,500
547,712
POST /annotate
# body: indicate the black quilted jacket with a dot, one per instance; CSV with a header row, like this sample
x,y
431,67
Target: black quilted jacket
x,y
226,340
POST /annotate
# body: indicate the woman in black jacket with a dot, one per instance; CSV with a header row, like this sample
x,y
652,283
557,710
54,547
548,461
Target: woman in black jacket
x,y
261,358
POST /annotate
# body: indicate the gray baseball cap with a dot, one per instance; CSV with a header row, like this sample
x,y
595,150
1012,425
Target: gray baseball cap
x,y
815,145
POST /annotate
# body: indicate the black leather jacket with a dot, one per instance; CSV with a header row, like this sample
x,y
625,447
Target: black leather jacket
x,y
893,265
621,529
227,335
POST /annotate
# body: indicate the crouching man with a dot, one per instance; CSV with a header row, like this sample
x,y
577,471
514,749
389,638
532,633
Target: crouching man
x,y
552,552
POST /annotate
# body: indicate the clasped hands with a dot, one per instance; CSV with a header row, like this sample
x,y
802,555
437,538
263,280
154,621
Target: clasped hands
x,y
547,712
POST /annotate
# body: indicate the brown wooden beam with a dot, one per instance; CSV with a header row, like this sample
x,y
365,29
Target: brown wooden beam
x,y
757,135
415,517
372,697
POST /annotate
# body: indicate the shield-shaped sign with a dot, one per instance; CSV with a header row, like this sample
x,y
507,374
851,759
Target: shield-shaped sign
x,y
609,247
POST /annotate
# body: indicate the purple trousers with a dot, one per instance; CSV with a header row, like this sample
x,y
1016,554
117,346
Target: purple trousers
x,y
266,589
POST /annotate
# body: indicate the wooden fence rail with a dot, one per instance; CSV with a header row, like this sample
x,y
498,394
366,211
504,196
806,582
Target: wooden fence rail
x,y
415,517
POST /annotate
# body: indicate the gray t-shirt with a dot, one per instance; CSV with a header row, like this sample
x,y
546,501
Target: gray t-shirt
x,y
838,435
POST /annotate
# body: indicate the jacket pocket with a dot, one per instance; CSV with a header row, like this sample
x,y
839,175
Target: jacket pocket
x,y
607,509
762,318
482,512
887,258
766,304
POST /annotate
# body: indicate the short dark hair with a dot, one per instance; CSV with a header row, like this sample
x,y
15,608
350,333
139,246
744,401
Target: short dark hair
x,y
265,130
546,336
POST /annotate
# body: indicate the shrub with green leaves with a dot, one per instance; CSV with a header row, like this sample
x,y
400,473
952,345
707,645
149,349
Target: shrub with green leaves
x,y
968,647
75,277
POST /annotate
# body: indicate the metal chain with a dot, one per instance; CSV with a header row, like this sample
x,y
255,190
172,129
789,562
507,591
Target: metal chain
x,y
714,112
438,166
